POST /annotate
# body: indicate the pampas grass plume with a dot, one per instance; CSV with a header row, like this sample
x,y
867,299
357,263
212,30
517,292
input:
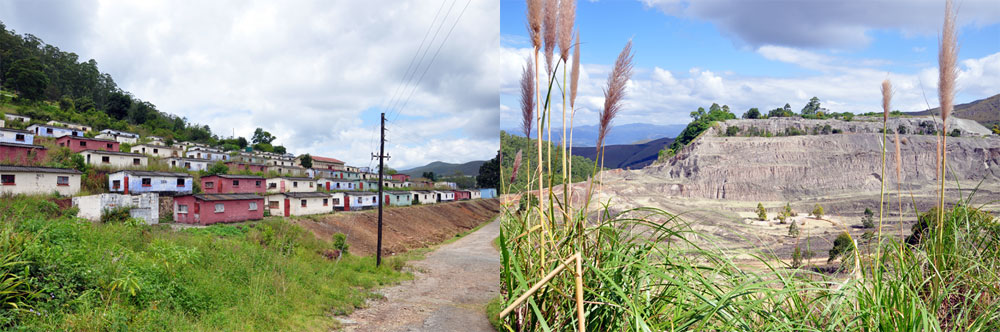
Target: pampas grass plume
x,y
527,97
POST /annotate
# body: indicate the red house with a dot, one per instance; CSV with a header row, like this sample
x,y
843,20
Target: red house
x,y
235,165
206,209
400,177
233,184
461,195
77,144
21,154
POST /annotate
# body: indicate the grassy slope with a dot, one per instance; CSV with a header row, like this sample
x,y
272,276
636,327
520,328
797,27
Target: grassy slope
x,y
88,276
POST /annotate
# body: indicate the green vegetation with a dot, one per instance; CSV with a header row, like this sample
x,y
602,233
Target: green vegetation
x,y
793,229
761,212
64,274
842,246
868,220
489,173
510,144
701,121
818,211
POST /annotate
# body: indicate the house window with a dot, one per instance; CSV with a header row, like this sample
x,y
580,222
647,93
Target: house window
x,y
336,201
253,206
182,208
180,182
106,160
219,208
303,203
156,151
187,165
272,204
62,181
258,183
110,146
272,185
7,179
135,161
115,184
147,182
48,130
326,202
310,184
82,143
236,183
209,185
295,184
19,137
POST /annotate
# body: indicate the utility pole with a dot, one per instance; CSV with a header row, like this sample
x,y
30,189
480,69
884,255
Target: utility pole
x,y
381,199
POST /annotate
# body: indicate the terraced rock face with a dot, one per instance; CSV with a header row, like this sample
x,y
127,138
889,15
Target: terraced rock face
x,y
813,166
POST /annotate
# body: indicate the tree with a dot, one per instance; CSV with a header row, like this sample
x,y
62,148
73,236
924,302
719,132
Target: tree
x,y
489,173
306,160
118,105
241,142
956,133
811,107
429,176
262,137
996,129
842,246
732,131
868,221
391,171
216,168
761,212
27,77
263,147
793,229
818,212
753,113
280,149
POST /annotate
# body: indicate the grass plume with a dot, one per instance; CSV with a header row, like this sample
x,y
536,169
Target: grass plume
x,y
614,93
948,72
535,11
567,17
574,74
550,26
527,98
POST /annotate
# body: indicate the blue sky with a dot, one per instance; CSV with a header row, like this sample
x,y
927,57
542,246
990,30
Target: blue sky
x,y
763,54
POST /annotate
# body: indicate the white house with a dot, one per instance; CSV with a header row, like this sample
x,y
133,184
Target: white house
x,y
335,184
290,184
425,197
15,136
114,159
190,164
476,194
446,185
445,196
120,136
30,180
157,140
53,131
16,118
158,150
143,206
288,170
206,153
301,203
79,127
360,200
136,181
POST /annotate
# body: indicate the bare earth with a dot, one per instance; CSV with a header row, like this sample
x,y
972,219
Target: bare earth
x,y
449,292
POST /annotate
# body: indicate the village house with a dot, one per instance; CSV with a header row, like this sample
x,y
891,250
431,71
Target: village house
x,y
352,169
462,195
143,206
206,153
400,177
77,144
421,183
16,118
445,185
249,158
157,140
164,183
335,184
230,184
43,130
123,137
424,197
3,123
287,170
30,180
242,166
488,193
274,159
190,164
158,150
301,203
346,175
369,176
15,136
330,164
290,184
21,154
75,126
398,198
114,159
189,145
207,209
360,200
476,194
445,196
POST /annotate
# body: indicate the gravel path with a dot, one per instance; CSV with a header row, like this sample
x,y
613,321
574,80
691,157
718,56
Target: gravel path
x,y
449,292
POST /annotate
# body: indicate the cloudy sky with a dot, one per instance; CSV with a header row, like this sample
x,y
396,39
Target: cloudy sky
x,y
763,54
315,74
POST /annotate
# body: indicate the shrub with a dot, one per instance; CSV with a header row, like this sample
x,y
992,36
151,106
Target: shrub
x,y
793,229
732,130
118,215
761,212
818,211
796,257
842,247
868,221
340,242
827,129
901,130
956,133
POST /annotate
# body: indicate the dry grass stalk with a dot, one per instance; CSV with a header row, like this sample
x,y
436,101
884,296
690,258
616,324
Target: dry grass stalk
x,y
567,17
535,10
899,180
574,74
577,257
517,166
886,99
948,72
527,98
550,21
615,92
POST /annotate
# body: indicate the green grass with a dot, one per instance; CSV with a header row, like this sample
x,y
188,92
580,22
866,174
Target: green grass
x,y
85,276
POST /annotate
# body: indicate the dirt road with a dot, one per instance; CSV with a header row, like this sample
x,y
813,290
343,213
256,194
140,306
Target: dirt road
x,y
449,292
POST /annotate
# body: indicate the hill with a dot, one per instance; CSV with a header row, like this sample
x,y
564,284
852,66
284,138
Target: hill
x,y
985,111
443,169
632,133
511,144
627,156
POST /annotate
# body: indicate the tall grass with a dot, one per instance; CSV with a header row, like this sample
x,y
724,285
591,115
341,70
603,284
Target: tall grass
x,y
645,269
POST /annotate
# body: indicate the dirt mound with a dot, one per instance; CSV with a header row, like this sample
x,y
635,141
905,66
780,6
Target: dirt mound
x,y
403,228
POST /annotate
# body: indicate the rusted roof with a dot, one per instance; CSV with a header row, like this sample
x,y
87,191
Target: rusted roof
x,y
227,197
34,169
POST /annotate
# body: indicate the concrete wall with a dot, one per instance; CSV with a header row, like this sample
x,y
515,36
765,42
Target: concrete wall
x,y
206,154
281,185
335,184
11,137
77,144
21,155
358,202
143,206
119,138
30,183
157,151
186,164
114,160
44,131
158,184
398,199
314,205
222,185
204,212
425,198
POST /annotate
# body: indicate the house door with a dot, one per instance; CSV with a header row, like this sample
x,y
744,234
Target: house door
x,y
386,201
282,186
288,206
347,203
361,186
327,186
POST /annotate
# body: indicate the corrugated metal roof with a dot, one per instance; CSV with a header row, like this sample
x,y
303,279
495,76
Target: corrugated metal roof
x,y
308,194
117,153
153,173
327,159
227,197
361,193
34,169
87,139
23,145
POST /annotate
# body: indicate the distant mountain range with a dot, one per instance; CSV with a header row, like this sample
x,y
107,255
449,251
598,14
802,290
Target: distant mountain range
x,y
632,133
985,111
442,168
627,156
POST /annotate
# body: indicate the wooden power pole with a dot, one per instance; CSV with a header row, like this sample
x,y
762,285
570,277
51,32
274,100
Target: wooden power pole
x,y
381,198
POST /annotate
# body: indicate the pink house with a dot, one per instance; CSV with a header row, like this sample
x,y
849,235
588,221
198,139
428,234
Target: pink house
x,y
230,184
77,144
462,195
21,154
206,209
400,177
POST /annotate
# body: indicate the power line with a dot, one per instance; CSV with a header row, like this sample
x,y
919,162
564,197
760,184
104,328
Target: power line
x,y
406,75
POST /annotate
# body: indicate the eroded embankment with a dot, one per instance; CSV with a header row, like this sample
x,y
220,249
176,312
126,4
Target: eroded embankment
x,y
403,228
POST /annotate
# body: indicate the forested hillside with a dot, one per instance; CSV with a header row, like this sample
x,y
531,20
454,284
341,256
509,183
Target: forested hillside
x,y
511,144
